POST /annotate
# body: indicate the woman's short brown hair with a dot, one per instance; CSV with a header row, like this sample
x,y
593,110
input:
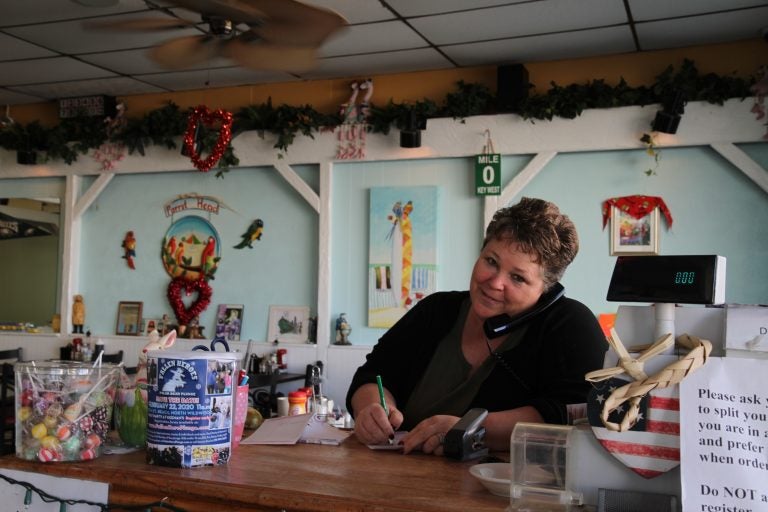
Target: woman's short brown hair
x,y
539,229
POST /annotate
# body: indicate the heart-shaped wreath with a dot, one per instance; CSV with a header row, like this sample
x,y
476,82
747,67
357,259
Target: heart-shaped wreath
x,y
183,314
208,118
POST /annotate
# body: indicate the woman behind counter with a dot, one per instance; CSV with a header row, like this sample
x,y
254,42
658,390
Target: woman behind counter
x,y
436,362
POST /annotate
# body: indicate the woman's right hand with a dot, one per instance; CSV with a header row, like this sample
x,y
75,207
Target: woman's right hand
x,y
373,426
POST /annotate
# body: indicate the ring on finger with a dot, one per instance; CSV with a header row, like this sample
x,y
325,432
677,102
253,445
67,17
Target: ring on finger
x,y
441,438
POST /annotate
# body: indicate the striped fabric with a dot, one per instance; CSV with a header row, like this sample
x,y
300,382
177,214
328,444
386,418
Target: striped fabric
x,y
652,446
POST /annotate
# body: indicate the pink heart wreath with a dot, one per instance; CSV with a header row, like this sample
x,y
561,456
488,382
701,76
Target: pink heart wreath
x,y
183,314
202,114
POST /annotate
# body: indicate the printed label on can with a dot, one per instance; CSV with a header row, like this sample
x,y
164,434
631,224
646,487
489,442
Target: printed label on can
x,y
190,410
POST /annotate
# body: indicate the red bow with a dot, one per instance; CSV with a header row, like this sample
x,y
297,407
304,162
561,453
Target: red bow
x,y
636,206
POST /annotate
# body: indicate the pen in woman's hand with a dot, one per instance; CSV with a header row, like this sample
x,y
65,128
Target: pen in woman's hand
x,y
381,394
383,402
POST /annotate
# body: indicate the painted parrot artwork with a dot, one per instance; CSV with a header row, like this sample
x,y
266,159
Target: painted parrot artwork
x,y
208,256
129,249
254,233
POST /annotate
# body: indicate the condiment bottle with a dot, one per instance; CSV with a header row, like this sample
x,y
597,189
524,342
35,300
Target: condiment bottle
x,y
297,403
309,392
282,358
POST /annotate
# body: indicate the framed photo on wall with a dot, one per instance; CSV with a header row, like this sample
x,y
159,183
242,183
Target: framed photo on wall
x,y
289,324
129,318
630,235
229,321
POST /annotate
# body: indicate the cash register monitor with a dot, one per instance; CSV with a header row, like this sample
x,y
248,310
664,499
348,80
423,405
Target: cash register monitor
x,y
668,279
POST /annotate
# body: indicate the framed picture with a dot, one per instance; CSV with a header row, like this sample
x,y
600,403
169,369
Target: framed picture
x,y
288,324
630,235
129,318
229,321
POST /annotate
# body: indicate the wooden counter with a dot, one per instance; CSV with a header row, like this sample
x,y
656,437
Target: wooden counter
x,y
343,478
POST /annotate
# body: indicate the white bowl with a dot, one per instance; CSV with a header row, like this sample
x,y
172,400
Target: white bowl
x,y
495,476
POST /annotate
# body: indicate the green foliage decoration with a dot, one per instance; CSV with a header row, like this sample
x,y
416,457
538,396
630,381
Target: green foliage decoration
x,y
285,122
166,125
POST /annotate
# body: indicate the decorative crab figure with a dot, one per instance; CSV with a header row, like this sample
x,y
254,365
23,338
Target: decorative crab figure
x,y
351,136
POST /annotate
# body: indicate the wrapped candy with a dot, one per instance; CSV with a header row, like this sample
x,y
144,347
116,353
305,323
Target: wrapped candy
x,y
63,410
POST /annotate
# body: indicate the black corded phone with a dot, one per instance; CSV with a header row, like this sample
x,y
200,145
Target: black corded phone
x,y
500,325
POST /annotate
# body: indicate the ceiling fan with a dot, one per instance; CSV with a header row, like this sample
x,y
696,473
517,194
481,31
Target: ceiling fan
x,y
282,35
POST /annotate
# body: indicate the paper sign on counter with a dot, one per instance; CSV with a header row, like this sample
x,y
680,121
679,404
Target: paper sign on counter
x,y
302,428
724,436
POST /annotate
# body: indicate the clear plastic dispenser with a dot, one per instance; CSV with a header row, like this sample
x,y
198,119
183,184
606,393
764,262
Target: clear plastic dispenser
x,y
539,456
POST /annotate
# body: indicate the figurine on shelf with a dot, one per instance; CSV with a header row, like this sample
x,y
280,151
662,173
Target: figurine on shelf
x,y
78,315
164,325
154,342
343,329
195,329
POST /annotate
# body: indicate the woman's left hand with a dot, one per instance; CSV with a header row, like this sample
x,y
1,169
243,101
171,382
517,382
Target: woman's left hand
x,y
428,436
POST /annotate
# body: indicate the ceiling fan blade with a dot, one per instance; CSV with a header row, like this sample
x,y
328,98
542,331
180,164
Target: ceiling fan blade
x,y
235,10
263,56
292,22
140,25
183,52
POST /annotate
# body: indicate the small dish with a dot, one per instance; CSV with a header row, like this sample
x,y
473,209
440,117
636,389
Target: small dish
x,y
495,476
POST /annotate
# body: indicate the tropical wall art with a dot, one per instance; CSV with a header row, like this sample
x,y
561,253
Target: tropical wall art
x,y
402,255
190,253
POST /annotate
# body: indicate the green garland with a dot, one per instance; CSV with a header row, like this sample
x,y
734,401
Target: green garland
x,y
166,125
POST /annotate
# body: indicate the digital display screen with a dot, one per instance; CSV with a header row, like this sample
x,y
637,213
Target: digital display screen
x,y
665,279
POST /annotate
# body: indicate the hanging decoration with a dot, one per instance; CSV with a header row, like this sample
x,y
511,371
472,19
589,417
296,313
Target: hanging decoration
x,y
190,254
191,249
129,249
488,169
351,135
254,232
184,314
201,114
636,206
111,152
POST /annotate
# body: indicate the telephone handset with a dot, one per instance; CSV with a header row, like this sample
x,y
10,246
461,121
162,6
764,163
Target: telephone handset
x,y
500,325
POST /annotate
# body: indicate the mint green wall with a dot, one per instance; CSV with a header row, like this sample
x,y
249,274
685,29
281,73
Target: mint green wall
x,y
281,269
715,207
716,210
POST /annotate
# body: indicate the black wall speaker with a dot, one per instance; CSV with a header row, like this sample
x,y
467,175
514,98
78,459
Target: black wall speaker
x,y
511,86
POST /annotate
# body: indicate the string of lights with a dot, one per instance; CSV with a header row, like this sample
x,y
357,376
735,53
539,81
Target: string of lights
x,y
103,507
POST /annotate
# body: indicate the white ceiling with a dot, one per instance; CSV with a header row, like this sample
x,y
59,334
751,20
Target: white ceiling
x,y
46,53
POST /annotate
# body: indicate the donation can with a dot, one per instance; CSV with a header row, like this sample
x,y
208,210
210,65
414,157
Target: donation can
x,y
191,406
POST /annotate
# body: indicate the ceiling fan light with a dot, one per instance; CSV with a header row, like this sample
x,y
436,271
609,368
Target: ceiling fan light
x,y
220,27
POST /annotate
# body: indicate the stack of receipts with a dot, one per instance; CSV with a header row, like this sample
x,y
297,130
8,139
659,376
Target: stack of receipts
x,y
302,428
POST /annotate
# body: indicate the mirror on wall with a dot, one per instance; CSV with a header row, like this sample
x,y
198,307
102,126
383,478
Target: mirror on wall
x,y
29,262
